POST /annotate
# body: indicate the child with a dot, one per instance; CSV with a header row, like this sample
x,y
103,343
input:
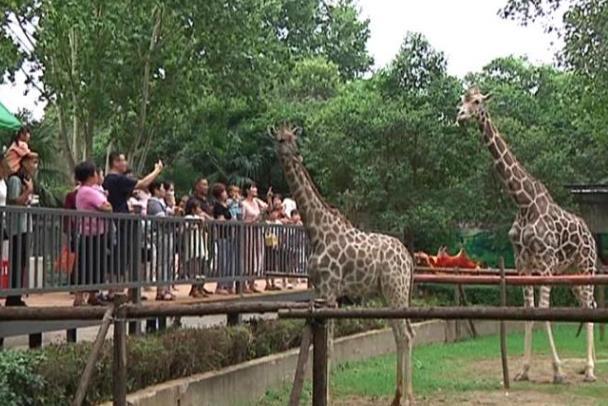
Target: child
x,y
234,202
18,149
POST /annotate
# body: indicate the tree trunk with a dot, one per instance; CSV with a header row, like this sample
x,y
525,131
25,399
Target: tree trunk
x,y
76,147
145,94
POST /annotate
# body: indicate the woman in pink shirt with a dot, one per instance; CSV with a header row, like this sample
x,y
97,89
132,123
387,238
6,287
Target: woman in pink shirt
x,y
254,210
94,237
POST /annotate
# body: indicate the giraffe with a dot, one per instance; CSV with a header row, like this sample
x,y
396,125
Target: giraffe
x,y
546,238
346,261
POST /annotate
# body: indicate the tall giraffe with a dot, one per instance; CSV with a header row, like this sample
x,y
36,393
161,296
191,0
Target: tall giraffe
x,y
546,238
348,262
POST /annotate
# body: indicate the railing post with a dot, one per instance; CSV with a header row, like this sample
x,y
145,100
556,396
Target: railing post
x,y
71,335
119,365
135,293
503,328
234,319
320,389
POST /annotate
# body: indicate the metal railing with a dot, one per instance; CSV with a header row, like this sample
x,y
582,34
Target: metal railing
x,y
45,250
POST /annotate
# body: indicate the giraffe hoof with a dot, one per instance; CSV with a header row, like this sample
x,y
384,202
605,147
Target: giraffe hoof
x,y
589,377
559,379
522,376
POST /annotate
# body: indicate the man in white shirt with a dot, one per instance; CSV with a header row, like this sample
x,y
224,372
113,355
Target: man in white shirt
x,y
289,205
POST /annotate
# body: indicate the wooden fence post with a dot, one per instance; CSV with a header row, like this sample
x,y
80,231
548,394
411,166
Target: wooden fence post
x,y
119,365
89,368
503,328
298,380
601,298
320,389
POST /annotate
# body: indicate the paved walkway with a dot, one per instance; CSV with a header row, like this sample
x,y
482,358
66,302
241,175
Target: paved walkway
x,y
89,333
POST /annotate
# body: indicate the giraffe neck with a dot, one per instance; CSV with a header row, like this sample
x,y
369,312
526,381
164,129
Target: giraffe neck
x,y
317,215
523,188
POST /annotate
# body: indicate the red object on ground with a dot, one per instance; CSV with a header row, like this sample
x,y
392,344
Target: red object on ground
x,y
4,274
444,260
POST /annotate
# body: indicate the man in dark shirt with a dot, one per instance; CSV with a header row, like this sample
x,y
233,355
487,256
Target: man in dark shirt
x,y
120,187
200,192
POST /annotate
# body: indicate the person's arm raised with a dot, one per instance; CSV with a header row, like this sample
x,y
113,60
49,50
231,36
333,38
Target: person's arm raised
x,y
144,182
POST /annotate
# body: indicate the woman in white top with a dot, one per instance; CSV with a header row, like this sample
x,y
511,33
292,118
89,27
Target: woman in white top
x,y
254,210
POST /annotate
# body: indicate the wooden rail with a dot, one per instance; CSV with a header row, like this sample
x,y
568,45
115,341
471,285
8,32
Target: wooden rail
x,y
566,314
133,311
518,280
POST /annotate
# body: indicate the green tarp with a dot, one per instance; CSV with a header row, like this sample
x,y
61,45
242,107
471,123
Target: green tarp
x,y
7,120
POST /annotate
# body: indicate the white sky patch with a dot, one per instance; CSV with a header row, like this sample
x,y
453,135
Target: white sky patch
x,y
469,32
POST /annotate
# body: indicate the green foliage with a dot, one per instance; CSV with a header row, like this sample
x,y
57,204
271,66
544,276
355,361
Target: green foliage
x,y
19,384
34,377
490,295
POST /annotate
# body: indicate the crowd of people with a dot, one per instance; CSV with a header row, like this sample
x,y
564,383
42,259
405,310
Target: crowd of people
x,y
120,191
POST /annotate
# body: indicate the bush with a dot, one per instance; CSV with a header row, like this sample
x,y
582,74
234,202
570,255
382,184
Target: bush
x,y
50,376
490,295
18,381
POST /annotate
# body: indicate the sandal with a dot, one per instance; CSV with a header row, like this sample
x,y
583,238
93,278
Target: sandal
x,y
95,302
166,297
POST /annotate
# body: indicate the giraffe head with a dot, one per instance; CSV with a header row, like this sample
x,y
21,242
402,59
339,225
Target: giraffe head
x,y
472,105
286,138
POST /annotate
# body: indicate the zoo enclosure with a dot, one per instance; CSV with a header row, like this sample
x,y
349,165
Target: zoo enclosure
x,y
120,313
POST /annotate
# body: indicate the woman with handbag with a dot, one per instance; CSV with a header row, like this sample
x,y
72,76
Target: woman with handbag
x,y
94,231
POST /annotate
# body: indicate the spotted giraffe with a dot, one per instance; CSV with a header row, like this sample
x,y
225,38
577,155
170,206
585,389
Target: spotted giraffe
x,y
348,262
546,238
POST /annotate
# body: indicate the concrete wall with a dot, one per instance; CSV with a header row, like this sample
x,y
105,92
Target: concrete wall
x,y
244,383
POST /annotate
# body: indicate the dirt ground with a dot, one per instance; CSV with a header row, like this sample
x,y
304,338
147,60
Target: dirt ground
x,y
541,374
496,398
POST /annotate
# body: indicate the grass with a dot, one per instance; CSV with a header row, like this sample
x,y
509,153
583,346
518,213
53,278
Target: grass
x,y
455,368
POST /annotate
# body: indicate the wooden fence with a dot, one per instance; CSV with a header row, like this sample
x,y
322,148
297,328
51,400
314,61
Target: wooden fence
x,y
121,311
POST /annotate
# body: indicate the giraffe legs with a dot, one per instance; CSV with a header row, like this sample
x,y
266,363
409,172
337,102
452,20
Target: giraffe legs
x,y
590,365
404,335
544,303
584,294
528,303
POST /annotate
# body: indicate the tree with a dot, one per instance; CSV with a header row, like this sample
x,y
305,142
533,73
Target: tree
x,y
585,55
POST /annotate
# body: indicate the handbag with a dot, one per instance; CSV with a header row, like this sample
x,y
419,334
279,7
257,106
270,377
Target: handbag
x,y
65,262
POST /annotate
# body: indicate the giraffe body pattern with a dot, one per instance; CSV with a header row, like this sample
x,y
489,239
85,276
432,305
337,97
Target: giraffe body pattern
x,y
348,262
546,238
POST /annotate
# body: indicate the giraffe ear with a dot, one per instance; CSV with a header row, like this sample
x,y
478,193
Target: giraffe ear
x,y
487,96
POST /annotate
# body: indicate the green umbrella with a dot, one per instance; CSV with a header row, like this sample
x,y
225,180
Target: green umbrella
x,y
7,120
